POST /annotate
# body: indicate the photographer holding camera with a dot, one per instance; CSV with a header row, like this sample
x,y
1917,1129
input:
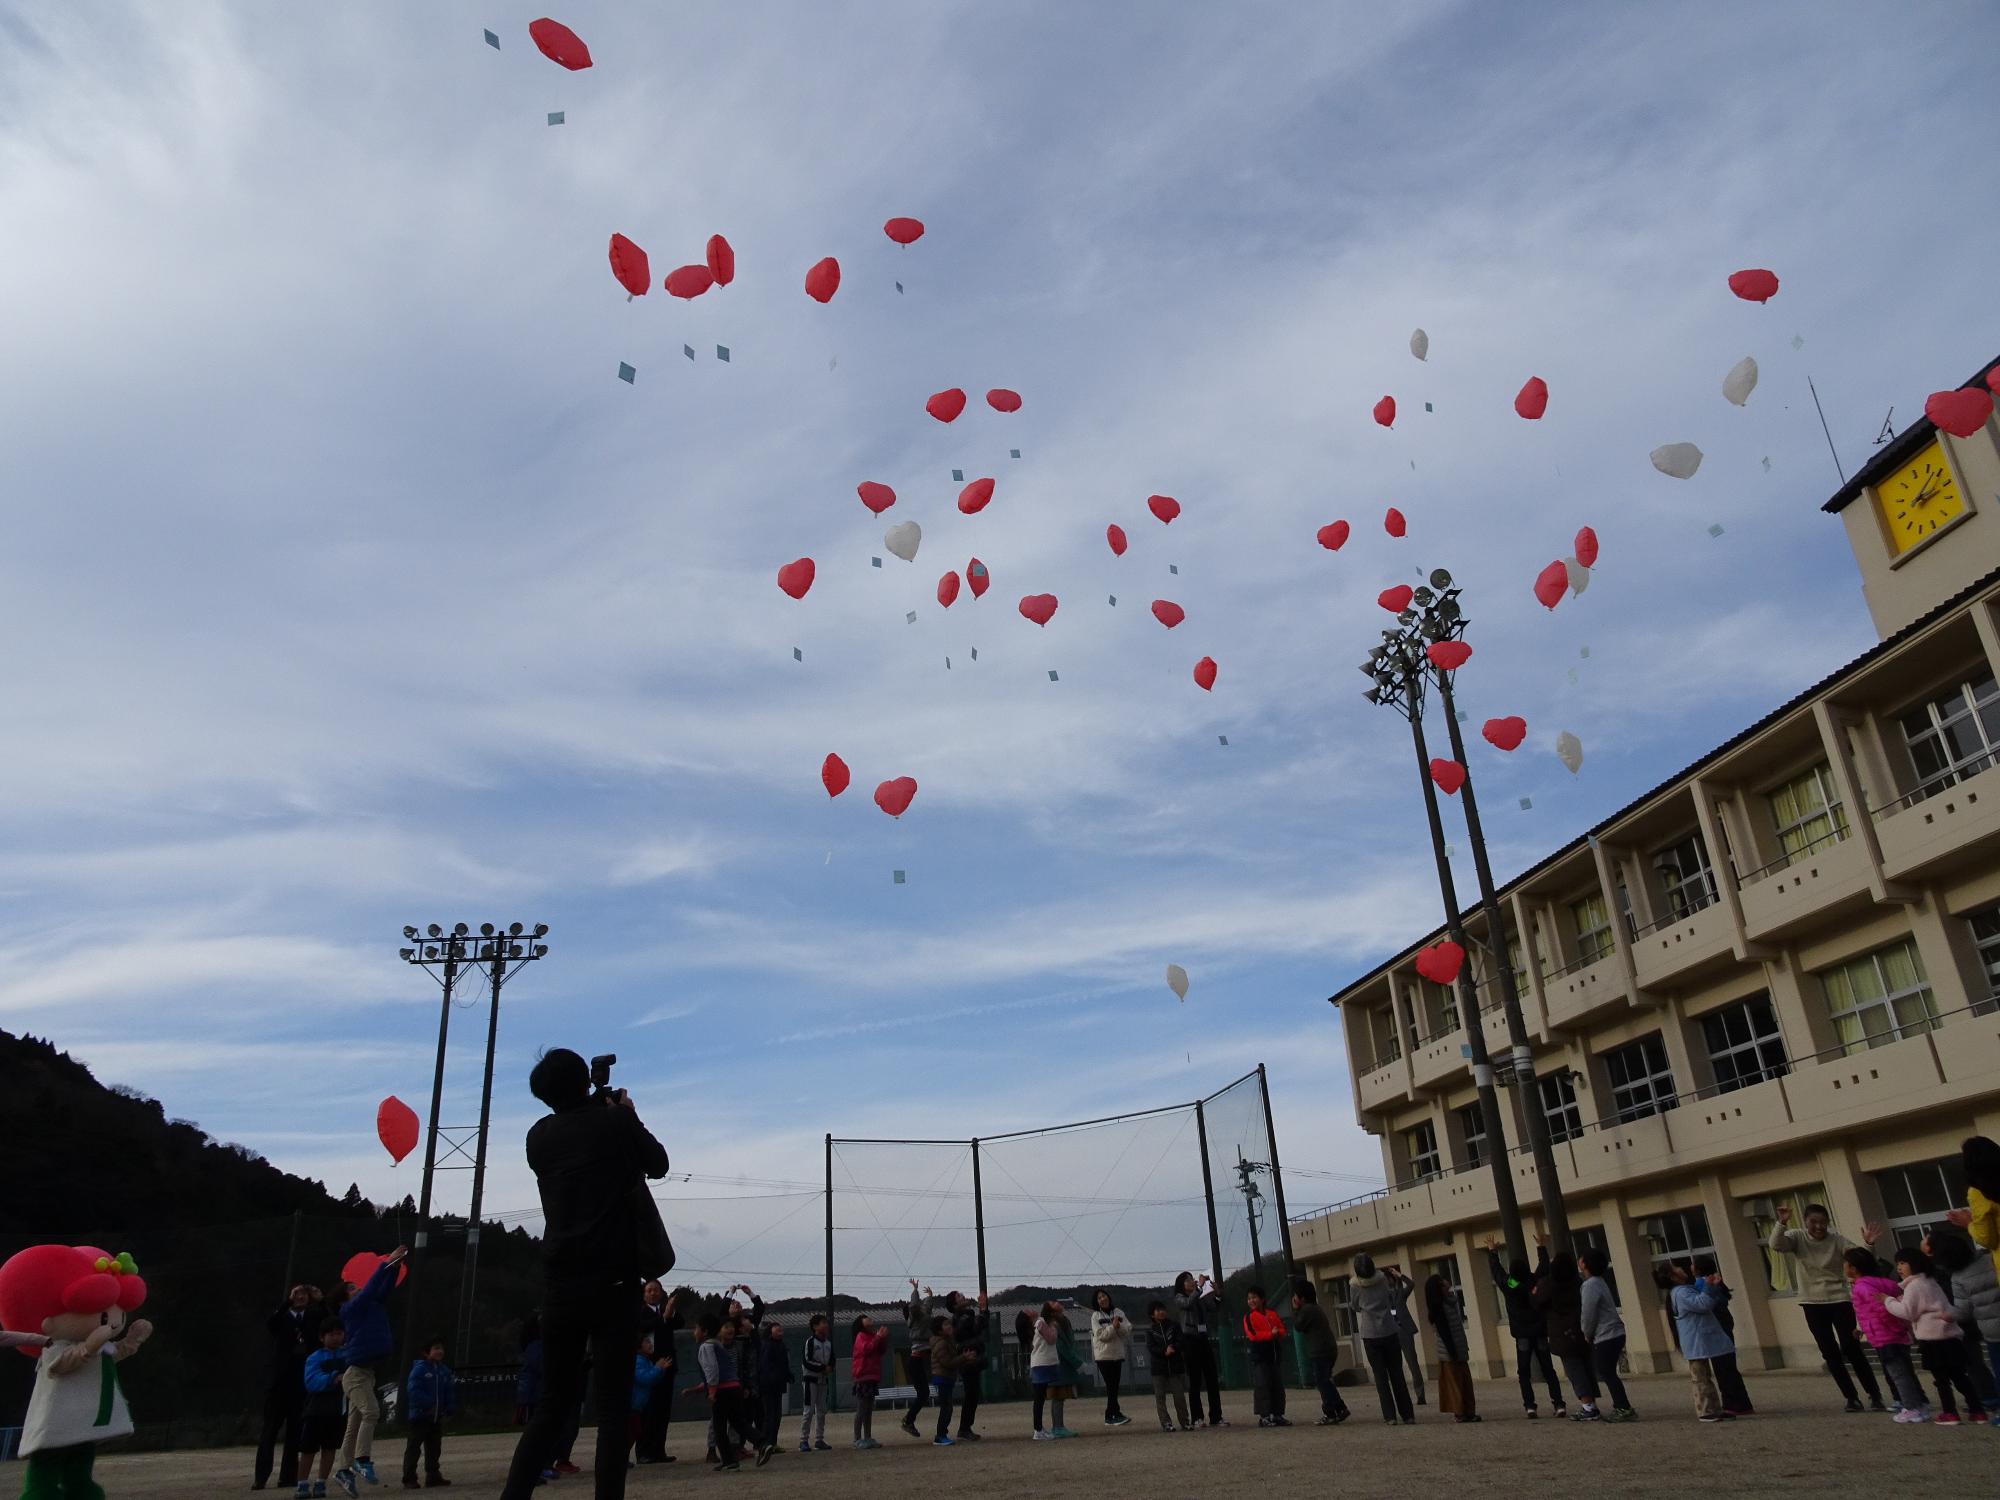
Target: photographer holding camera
x,y
601,1238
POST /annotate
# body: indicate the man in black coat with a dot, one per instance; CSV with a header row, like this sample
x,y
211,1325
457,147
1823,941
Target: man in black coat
x,y
294,1333
968,1329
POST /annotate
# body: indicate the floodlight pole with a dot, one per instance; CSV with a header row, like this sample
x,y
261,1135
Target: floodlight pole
x,y
1208,1196
420,1251
829,1220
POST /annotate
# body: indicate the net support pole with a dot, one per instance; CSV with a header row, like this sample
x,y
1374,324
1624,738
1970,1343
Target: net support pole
x,y
1277,1172
829,1216
1208,1195
979,1216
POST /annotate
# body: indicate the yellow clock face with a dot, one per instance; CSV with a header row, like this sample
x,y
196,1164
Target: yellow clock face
x,y
1918,499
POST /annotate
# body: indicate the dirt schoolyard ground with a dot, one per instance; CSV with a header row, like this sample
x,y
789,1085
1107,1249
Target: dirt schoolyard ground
x,y
1800,1442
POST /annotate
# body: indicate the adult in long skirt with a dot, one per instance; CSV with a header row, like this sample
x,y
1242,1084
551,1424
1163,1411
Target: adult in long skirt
x,y
1447,1318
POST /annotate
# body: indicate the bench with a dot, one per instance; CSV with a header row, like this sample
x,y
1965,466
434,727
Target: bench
x,y
896,1395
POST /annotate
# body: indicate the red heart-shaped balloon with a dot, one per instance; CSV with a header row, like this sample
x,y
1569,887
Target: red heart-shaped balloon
x,y
1532,399
823,280
894,797
1449,775
833,775
904,231
1396,599
1166,507
1960,413
1168,613
364,1263
1440,962
1385,411
1002,399
1507,733
1993,380
689,282
1754,286
1448,656
947,589
1115,535
975,496
946,405
630,266
721,260
796,577
1393,522
977,578
1040,608
1204,674
877,497
1552,583
1585,547
1333,535
559,45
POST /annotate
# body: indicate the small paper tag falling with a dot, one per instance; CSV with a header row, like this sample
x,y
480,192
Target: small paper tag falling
x,y
722,353
1113,598
1222,739
1413,465
898,875
899,288
1013,452
975,653
688,350
1715,530
1767,463
833,361
1427,406
627,373
910,618
556,117
493,41
1584,652
1798,341
947,663
1052,675
875,561
1174,568
1526,803
1572,674
958,474
1461,716
1451,851
797,654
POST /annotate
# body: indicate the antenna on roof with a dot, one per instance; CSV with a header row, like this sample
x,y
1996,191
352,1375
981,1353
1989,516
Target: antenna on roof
x,y
1888,428
1827,430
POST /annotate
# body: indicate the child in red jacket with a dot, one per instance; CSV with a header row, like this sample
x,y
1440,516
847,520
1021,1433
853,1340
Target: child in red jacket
x,y
1264,1332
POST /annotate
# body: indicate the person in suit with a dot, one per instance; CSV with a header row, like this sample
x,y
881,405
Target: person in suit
x,y
293,1333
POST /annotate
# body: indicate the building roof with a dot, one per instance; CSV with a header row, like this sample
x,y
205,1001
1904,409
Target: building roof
x,y
1896,451
1791,705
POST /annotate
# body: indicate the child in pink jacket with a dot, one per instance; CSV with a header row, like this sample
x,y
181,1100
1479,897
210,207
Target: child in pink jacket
x,y
1935,1321
1869,1290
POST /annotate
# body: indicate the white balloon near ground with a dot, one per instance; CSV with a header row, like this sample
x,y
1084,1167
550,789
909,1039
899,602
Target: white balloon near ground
x,y
1177,980
1579,575
1420,344
1677,460
1740,381
903,539
1569,750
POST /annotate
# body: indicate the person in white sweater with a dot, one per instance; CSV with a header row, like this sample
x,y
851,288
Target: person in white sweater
x,y
1110,1344
1820,1255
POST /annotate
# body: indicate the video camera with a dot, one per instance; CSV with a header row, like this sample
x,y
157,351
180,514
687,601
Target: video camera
x,y
600,1077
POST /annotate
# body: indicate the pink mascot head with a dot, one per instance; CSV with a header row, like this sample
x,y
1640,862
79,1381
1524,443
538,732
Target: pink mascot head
x,y
65,1291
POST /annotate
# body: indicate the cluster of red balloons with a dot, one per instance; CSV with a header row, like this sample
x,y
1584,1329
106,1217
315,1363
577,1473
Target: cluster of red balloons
x,y
633,270
893,796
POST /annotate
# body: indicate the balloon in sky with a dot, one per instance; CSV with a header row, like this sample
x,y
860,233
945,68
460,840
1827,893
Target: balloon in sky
x,y
1177,981
1115,536
1204,674
796,577
721,260
689,282
1333,535
903,539
1166,507
1586,547
1753,286
629,265
947,589
1420,344
1168,613
1532,399
877,497
1440,962
904,231
1740,381
834,775
1677,460
1040,608
894,797
559,44
823,280
396,1127
1393,522
1569,750
946,405
977,578
364,1263
1576,575
975,496
1551,584
1960,413
1396,599
1507,733
1448,656
1993,380
1002,399
1449,775
1385,412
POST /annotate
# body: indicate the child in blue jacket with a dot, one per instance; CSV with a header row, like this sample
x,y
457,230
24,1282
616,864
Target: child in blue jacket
x,y
648,1370
430,1395
323,1416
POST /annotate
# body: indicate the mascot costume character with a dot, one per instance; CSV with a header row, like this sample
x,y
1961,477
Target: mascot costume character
x,y
77,1300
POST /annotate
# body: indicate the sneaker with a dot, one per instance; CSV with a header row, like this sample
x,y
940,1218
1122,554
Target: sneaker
x,y
1475,1417
1621,1414
366,1468
1263,1421
1586,1414
1342,1415
1281,1421
564,1466
1327,1421
304,1490
968,1436
1199,1424
319,1489
1852,1405
941,1442
411,1482
1730,1416
1910,1415
1738,1411
820,1445
345,1479
1533,1414
1709,1417
437,1482
1044,1437
1064,1432
764,1454
910,1428
1560,1410
1217,1422
1875,1404
1120,1420
1946,1419
1166,1427
728,1468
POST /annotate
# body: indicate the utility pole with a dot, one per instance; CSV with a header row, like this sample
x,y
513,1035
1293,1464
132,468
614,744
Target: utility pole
x,y
1246,1184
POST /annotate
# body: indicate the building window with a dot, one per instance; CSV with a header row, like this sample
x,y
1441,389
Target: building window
x,y
1558,1092
1879,997
1685,876
1744,1046
1593,1239
1338,1309
1593,928
1781,1271
1389,1046
1681,1234
1917,1197
1514,955
1421,1146
1472,1130
1440,1007
1625,909
1642,1081
1953,735
1806,813
1986,934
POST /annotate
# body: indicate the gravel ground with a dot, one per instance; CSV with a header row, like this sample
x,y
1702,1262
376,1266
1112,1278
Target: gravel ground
x,y
1799,1442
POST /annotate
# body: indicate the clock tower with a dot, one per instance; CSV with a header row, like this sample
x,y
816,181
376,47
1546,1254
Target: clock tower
x,y
1923,517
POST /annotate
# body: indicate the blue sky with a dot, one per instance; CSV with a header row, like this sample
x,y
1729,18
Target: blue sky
x,y
345,585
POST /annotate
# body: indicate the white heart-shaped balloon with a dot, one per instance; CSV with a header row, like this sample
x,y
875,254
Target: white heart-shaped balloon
x,y
1677,460
1740,381
1579,575
1420,344
1569,750
903,538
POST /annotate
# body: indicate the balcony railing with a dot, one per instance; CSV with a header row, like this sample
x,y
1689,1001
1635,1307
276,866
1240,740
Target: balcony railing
x,y
1688,908
1785,861
1943,781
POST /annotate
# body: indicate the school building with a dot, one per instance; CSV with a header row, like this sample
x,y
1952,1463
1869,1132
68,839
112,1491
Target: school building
x,y
1770,980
